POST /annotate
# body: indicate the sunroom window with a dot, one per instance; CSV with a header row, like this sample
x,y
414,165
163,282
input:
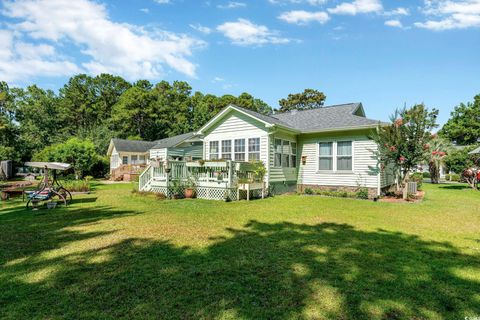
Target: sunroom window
x,y
227,149
213,150
278,153
239,145
253,149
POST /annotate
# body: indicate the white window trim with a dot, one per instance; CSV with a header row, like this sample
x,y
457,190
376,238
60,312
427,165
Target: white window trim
x,y
247,142
334,157
232,155
218,153
281,153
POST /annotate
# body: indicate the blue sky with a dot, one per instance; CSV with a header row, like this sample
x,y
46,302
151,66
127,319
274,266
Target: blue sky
x,y
382,53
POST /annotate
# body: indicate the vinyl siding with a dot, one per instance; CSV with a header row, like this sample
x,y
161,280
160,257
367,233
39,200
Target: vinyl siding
x,y
158,153
364,173
236,125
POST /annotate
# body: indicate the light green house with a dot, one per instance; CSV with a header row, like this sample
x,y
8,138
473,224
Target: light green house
x,y
326,148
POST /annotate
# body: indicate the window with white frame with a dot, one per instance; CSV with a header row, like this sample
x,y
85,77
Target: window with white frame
x,y
239,149
325,158
278,153
344,156
213,150
286,153
125,160
227,149
141,159
293,157
253,149
134,159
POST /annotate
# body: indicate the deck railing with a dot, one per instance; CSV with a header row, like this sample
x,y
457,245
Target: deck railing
x,y
224,174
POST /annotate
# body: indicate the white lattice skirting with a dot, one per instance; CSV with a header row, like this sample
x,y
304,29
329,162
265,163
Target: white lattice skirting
x,y
208,193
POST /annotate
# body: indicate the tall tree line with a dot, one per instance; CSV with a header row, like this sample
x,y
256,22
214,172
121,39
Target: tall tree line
x,y
105,106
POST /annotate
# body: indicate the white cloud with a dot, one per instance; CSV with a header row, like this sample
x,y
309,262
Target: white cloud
x,y
311,2
304,17
218,79
447,14
162,1
145,10
124,49
21,61
200,28
232,5
357,6
394,23
397,12
244,33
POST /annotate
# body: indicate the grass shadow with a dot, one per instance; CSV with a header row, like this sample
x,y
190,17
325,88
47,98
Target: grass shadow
x,y
261,271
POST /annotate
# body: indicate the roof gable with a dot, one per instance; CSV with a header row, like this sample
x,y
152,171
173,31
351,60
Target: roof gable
x,y
348,116
268,121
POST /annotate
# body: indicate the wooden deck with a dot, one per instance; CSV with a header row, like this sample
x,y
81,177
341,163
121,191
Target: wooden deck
x,y
215,180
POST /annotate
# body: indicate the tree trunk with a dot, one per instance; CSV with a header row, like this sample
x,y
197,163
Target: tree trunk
x,y
434,172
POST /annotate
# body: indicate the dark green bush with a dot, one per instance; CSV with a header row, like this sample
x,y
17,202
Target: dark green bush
x,y
426,175
362,193
308,191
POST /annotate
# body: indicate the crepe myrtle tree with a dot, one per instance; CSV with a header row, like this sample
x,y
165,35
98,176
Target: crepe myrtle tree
x,y
403,142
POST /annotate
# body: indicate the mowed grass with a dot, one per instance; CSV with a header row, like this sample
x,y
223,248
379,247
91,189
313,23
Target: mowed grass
x,y
112,254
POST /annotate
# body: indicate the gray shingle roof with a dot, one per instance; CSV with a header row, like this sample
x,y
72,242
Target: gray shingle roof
x,y
123,145
342,116
143,146
269,119
172,141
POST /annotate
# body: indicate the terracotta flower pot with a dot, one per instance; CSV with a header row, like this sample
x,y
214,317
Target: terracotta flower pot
x,y
189,193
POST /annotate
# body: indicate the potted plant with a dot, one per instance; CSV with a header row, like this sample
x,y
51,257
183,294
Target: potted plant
x,y
190,188
178,189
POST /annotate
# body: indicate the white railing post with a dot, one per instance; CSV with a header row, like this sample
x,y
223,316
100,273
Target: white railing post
x,y
230,173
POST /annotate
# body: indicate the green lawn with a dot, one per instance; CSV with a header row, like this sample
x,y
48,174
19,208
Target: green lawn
x,y
114,255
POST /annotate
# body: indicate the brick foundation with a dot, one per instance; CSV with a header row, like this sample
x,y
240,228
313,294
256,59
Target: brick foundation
x,y
372,192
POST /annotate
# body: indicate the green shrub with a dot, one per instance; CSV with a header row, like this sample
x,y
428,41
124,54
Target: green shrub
x,y
453,177
362,193
426,175
308,191
418,178
77,185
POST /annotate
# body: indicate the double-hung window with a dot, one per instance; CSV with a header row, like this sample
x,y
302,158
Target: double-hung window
x,y
213,150
134,159
253,149
278,153
286,152
325,159
227,149
344,156
239,149
293,158
125,160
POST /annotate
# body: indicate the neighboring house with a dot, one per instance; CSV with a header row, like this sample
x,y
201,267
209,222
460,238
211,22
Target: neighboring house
x,y
127,153
325,148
